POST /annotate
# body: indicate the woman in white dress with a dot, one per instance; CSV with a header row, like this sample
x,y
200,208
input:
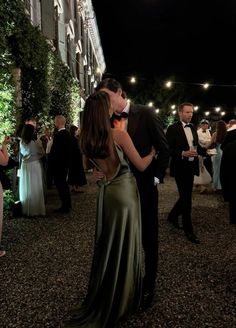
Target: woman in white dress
x,y
31,187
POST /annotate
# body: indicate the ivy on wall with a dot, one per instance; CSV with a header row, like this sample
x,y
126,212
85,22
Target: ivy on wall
x,y
47,86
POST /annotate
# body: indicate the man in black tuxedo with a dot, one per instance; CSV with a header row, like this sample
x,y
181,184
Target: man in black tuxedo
x,y
145,129
184,148
227,169
59,161
228,177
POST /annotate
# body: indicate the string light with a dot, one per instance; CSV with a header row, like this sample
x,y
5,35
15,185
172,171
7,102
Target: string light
x,y
205,85
133,80
168,84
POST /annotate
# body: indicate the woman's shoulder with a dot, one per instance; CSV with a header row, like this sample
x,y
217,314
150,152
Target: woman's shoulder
x,y
119,135
119,132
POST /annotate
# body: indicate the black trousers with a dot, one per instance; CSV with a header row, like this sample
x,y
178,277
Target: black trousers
x,y
184,180
149,210
60,180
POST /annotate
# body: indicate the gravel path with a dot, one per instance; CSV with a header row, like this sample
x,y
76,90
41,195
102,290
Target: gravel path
x,y
48,260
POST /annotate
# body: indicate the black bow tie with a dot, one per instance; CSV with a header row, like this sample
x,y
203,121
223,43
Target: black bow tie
x,y
124,115
118,117
187,125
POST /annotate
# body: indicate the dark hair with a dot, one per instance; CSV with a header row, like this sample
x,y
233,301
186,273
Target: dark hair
x,y
73,129
27,133
221,130
110,84
96,128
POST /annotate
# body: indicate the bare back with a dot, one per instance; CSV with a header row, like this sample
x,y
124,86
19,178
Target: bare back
x,y
110,164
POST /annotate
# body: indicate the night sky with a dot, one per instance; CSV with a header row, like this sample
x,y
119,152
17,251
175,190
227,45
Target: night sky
x,y
190,40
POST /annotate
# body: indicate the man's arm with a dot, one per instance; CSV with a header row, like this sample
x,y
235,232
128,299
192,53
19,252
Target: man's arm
x,y
161,146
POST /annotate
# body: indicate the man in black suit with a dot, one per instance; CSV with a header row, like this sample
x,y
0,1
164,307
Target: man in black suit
x,y
184,148
145,129
59,161
230,135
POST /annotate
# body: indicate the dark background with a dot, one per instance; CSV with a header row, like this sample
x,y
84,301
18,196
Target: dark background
x,y
186,40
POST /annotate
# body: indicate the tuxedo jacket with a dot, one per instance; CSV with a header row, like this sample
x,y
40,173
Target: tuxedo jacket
x,y
228,172
178,142
60,153
230,136
146,130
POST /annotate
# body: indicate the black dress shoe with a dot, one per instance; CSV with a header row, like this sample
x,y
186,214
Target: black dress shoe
x,y
193,238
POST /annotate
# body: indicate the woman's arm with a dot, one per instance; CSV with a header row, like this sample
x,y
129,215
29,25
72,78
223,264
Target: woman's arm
x,y
4,157
123,139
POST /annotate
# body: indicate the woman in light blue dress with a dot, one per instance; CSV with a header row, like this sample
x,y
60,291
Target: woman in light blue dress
x,y
31,186
216,140
114,289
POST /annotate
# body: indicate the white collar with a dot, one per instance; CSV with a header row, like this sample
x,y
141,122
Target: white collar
x,y
127,107
233,127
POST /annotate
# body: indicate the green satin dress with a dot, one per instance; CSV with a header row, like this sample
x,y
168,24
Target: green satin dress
x,y
115,281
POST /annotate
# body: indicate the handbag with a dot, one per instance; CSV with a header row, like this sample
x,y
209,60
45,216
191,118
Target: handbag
x,y
204,177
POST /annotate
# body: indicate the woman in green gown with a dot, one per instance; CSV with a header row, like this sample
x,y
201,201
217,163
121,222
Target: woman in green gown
x,y
114,289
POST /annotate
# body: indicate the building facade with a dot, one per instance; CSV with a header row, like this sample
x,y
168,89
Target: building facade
x,y
70,27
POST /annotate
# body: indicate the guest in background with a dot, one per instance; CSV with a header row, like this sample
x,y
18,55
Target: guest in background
x,y
47,140
46,137
184,148
32,121
227,169
31,187
204,137
76,176
228,178
4,157
230,135
231,123
59,162
216,141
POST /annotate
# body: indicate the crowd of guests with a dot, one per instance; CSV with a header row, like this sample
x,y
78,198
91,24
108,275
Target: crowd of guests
x,y
128,150
217,172
46,160
41,161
